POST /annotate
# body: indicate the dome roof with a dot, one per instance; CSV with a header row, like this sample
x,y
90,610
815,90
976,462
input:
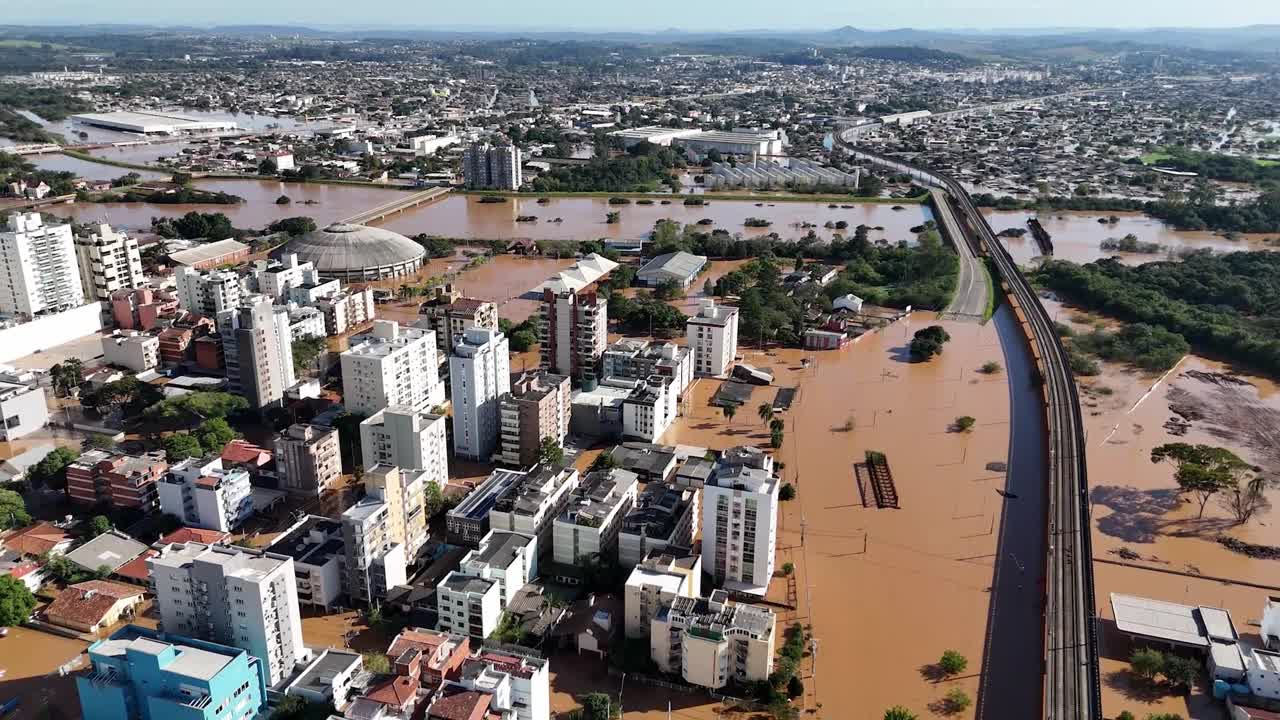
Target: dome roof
x,y
341,248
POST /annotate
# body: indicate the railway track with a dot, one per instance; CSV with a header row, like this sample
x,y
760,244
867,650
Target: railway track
x,y
1071,689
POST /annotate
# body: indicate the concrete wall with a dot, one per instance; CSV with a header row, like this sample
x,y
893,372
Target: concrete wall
x,y
50,331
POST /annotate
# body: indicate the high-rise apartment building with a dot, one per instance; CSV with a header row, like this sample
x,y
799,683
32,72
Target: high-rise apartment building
x,y
452,315
258,350
740,520
391,365
573,321
121,481
207,293
479,374
109,261
308,458
539,406
385,530
492,167
713,335
406,438
232,596
41,275
710,641
202,494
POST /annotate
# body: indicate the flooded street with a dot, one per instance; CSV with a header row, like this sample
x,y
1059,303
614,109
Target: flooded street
x,y
871,580
503,279
1078,236
31,659
583,218
89,170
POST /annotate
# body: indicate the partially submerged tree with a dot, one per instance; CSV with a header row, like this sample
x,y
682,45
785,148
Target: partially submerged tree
x,y
1203,470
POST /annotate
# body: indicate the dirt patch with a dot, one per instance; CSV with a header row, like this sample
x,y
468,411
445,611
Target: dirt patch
x,y
1260,552
1230,409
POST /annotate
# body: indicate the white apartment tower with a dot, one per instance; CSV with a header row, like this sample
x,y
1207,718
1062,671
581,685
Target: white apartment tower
x,y
406,438
207,293
492,167
740,521
573,323
40,275
479,374
233,596
109,261
202,494
258,349
392,365
713,335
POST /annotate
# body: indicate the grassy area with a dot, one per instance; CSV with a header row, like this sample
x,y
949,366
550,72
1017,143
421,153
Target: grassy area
x,y
1155,156
722,197
105,161
991,293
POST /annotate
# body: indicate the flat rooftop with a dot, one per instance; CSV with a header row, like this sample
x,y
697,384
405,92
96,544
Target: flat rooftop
x,y
1171,622
478,503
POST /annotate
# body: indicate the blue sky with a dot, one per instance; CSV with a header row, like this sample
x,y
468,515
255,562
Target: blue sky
x,y
700,15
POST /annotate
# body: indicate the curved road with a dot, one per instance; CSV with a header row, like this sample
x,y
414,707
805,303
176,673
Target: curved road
x,y
970,300
1069,688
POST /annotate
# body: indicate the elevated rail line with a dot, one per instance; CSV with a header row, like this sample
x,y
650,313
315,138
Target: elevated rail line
x,y
1071,687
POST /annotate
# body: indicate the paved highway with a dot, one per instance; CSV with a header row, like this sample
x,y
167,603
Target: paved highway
x,y
1070,689
970,300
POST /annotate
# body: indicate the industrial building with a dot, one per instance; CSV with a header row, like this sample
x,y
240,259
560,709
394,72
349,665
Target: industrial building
x,y
149,123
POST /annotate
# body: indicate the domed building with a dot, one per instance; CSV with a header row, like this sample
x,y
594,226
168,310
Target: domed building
x,y
356,253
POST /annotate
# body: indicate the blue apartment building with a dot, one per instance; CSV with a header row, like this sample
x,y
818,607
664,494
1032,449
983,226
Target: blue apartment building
x,y
141,674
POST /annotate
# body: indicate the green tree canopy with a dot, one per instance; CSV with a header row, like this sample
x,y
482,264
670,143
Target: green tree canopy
x,y
180,446
1203,470
13,510
51,471
98,525
16,601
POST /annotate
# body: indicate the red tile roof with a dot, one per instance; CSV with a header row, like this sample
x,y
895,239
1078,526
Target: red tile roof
x,y
397,692
36,539
200,535
243,452
466,705
88,603
136,569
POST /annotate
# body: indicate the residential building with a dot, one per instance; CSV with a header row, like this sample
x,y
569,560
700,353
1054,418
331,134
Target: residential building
x,y
308,459
641,360
680,268
450,315
519,684
275,278
740,521
406,491
651,463
572,322
538,407
649,410
1262,672
207,293
468,605
109,262
110,551
384,531
663,516
91,606
468,522
430,656
202,494
257,347
141,308
531,505
132,352
141,674
492,167
35,541
509,559
24,410
42,275
329,679
234,596
655,583
391,365
713,336
316,545
345,308
407,438
710,642
479,373
121,481
588,528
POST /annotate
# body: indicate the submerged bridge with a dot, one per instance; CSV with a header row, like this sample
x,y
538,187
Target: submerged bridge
x,y
1070,688
406,201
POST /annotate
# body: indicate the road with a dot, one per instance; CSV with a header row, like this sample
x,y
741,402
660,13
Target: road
x,y
971,298
1070,688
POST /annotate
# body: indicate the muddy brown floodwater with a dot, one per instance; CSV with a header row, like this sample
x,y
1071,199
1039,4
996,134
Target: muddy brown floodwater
x,y
30,660
584,218
1078,236
1148,539
885,590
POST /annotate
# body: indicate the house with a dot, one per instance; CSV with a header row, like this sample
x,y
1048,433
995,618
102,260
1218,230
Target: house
x,y
245,455
15,468
523,246
37,540
431,656
27,572
592,624
398,696
848,303
94,605
112,549
457,703
328,679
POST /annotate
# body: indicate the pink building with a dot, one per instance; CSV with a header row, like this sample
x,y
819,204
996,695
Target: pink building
x,y
141,308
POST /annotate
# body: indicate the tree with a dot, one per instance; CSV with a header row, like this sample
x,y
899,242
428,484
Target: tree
x,y
765,412
180,446
729,410
267,167
1180,671
1146,662
99,441
348,425
897,712
16,601
788,492
295,226
598,706
965,423
990,367
668,290
61,569
957,700
67,376
788,568
952,662
550,452
1244,503
13,510
1203,470
290,707
98,525
928,342
795,687
51,471
305,352
376,663
1125,715
613,218
214,434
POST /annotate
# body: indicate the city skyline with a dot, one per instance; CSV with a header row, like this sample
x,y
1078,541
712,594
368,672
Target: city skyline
x,y
746,15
